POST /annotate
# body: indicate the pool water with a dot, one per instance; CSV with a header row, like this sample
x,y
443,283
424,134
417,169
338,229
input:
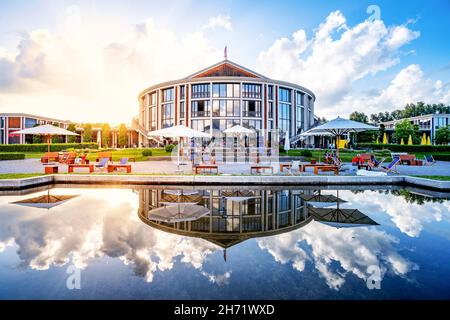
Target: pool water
x,y
224,243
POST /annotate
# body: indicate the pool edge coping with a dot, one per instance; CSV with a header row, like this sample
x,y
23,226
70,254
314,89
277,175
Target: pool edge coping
x,y
25,183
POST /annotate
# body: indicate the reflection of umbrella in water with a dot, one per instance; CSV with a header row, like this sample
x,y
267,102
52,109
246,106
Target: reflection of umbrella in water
x,y
46,201
321,200
178,213
238,196
341,218
172,197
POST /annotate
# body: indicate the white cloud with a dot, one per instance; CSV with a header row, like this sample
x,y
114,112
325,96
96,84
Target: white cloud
x,y
409,86
335,57
90,74
219,21
353,249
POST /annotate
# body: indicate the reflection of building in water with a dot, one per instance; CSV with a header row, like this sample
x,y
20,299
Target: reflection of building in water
x,y
235,216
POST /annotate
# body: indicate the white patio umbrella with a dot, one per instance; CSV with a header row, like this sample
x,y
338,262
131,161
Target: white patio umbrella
x,y
287,143
179,132
237,130
338,127
46,201
47,130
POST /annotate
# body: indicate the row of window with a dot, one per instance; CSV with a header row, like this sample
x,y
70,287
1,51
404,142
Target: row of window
x,y
230,90
15,122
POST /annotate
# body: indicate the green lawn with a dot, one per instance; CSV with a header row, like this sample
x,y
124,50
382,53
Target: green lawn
x,y
125,153
19,175
441,178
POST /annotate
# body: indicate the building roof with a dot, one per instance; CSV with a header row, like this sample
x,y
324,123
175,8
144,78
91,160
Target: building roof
x,y
226,68
220,72
430,115
27,115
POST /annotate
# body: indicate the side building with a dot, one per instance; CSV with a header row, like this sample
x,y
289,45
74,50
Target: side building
x,y
428,124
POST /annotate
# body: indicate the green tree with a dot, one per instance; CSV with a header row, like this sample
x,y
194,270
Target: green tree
x,y
404,129
442,135
72,128
359,116
87,134
122,135
365,136
106,135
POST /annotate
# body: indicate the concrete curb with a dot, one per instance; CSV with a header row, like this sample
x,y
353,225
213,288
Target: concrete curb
x,y
256,180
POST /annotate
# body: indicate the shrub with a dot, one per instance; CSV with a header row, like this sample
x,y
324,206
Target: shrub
x,y
169,147
306,153
281,149
12,156
147,153
406,148
42,147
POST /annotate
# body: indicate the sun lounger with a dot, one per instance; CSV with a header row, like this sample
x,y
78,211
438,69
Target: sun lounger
x,y
104,155
391,167
429,160
102,164
123,164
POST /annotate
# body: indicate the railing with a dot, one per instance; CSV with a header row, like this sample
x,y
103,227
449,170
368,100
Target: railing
x,y
251,114
198,114
199,95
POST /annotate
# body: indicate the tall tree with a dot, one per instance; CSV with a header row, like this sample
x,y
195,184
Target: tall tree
x,y
87,134
442,135
72,128
359,116
404,129
122,135
106,135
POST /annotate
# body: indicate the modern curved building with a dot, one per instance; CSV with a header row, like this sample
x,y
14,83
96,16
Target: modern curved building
x,y
224,95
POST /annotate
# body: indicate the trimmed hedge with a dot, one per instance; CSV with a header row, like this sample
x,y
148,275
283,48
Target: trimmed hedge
x,y
306,153
406,148
441,157
12,156
42,147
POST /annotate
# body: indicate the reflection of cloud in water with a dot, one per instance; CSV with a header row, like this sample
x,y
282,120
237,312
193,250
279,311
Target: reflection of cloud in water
x,y
84,230
408,217
355,249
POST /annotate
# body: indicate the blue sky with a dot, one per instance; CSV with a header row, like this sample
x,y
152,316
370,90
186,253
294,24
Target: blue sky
x,y
250,29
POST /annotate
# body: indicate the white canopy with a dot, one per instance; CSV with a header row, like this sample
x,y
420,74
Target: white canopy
x,y
47,129
339,126
237,129
179,131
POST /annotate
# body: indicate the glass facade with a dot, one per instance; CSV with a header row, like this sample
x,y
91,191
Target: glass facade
x,y
224,90
14,122
168,108
200,91
251,90
284,109
251,108
226,108
200,108
153,112
203,125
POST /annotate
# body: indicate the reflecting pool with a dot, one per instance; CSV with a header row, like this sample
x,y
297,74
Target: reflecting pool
x,y
141,242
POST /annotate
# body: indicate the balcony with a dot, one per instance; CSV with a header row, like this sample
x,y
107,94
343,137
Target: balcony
x,y
199,114
252,114
200,95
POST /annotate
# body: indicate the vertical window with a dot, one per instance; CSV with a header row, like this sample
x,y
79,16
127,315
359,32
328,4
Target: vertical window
x,y
182,92
270,92
251,91
167,95
200,91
